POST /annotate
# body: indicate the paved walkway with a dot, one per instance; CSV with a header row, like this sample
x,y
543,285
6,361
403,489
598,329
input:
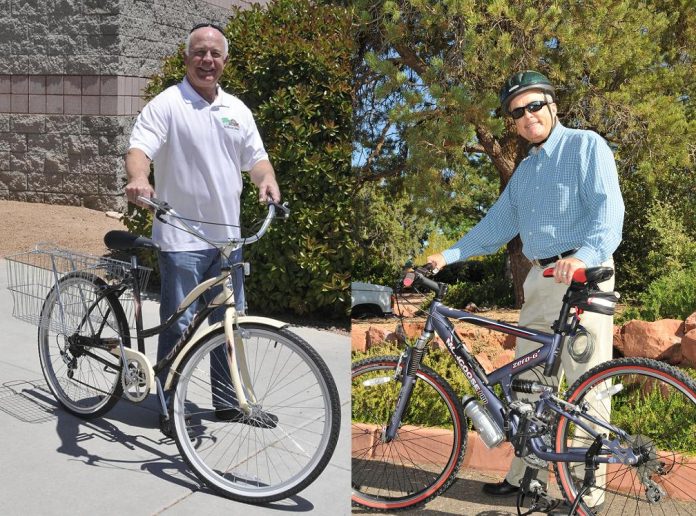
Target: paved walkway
x,y
56,464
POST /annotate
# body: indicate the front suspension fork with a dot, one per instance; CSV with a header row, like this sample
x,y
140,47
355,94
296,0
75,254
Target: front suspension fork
x,y
411,361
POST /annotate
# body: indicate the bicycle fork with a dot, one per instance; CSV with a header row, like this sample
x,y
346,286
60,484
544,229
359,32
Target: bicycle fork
x,y
236,358
410,363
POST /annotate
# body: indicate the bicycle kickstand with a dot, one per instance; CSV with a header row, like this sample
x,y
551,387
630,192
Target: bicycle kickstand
x,y
541,501
590,468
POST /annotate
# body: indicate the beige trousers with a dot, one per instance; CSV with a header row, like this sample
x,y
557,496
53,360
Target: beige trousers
x,y
543,299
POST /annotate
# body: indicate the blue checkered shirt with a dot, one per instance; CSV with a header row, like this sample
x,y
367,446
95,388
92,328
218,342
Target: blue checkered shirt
x,y
564,195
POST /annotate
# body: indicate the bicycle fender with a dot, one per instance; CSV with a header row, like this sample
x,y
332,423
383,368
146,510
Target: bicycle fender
x,y
253,319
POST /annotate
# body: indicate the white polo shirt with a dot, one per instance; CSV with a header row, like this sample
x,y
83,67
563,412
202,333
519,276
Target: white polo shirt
x,y
199,151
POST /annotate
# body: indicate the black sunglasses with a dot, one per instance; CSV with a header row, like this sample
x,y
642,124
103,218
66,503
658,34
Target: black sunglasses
x,y
212,25
532,107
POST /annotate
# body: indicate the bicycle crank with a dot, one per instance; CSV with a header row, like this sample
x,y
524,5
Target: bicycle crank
x,y
136,377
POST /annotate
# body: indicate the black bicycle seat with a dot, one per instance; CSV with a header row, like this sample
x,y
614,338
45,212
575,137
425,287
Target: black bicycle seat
x,y
598,274
123,240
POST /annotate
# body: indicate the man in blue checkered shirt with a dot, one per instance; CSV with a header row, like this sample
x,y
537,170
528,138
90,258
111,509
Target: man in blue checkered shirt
x,y
564,202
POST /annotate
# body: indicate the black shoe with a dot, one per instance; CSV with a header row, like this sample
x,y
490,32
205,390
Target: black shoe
x,y
503,488
257,418
167,428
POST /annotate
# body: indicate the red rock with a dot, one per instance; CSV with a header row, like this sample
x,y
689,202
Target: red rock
x,y
375,336
659,339
358,341
509,342
688,347
504,357
412,330
690,323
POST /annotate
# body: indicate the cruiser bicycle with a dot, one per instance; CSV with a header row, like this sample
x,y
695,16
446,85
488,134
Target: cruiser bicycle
x,y
252,407
621,439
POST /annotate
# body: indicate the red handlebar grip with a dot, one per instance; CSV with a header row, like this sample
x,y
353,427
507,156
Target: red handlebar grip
x,y
579,274
408,280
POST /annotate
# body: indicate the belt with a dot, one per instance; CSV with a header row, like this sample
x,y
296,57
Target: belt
x,y
543,262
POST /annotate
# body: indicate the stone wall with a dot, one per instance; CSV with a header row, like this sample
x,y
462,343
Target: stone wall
x,y
72,76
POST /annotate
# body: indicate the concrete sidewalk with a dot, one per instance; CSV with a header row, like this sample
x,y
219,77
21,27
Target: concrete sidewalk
x,y
54,463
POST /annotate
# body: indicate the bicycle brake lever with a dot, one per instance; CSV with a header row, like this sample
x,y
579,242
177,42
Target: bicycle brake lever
x,y
282,207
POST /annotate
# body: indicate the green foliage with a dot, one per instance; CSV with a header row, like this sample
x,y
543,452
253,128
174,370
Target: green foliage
x,y
367,408
427,117
290,63
386,233
482,281
671,296
662,240
664,417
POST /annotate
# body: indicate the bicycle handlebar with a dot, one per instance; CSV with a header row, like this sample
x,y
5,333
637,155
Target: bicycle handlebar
x,y
418,276
162,208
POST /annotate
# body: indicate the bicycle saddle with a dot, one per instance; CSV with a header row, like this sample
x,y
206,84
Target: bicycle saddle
x,y
123,240
598,274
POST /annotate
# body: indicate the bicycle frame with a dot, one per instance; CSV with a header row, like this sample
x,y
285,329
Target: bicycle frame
x,y
439,322
239,372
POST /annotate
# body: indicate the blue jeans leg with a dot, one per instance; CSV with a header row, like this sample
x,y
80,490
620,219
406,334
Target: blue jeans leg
x,y
180,273
222,391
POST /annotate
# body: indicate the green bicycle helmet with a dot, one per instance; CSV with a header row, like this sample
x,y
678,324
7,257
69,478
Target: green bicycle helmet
x,y
523,81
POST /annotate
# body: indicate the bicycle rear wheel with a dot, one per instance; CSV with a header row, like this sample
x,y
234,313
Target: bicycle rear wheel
x,y
290,437
656,405
424,458
79,334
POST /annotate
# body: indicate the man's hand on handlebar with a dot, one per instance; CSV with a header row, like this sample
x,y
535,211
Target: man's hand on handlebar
x,y
565,268
436,261
139,188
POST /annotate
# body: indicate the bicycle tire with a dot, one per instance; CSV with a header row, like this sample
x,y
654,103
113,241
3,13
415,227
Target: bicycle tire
x,y
86,381
249,463
397,475
656,404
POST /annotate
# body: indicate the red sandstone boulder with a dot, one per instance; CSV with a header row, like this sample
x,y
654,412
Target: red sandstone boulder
x,y
688,347
690,323
358,341
374,336
658,339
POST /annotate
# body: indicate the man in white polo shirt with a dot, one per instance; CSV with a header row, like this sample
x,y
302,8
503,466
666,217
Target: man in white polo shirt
x,y
200,139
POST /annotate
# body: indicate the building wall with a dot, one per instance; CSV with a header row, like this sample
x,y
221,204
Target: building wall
x,y
72,76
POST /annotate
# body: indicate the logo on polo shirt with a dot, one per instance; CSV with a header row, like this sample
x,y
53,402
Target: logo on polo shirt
x,y
229,123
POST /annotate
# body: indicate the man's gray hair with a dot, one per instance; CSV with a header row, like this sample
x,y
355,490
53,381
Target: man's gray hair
x,y
187,44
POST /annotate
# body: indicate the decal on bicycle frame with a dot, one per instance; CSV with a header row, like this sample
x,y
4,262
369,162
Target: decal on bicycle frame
x,y
525,359
465,369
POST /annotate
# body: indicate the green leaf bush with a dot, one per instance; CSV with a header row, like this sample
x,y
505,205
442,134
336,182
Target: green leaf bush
x,y
290,62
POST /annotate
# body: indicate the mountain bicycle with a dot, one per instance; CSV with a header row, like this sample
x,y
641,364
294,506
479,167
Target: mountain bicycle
x,y
621,438
253,408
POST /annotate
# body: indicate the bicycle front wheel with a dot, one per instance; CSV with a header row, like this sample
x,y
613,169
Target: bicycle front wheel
x,y
290,436
423,459
656,405
79,334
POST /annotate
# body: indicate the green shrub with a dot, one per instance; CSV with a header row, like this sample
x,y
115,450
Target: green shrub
x,y
290,63
482,281
672,296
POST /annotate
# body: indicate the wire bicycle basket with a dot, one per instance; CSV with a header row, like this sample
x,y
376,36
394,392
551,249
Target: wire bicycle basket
x,y
32,275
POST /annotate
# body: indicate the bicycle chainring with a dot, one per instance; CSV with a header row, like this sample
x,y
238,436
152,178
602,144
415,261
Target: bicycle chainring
x,y
135,378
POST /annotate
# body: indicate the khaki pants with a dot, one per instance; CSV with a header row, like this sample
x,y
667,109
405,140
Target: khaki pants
x,y
543,299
